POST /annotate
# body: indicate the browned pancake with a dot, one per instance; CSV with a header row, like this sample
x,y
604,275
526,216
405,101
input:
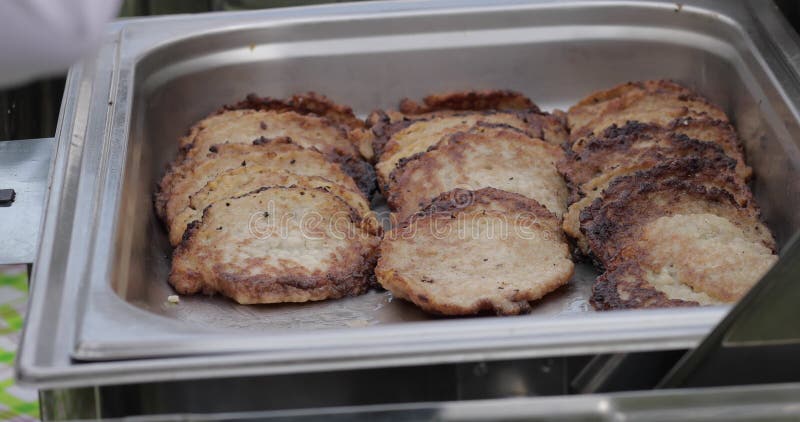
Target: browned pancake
x,y
683,260
309,103
657,165
276,245
416,137
496,156
614,220
384,123
475,251
182,181
241,180
657,102
633,142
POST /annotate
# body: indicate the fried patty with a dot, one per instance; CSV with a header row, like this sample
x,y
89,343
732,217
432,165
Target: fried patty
x,y
467,101
241,180
615,219
313,104
454,102
623,151
634,141
244,125
277,244
475,251
382,123
309,103
703,165
497,156
411,138
658,102
683,260
182,181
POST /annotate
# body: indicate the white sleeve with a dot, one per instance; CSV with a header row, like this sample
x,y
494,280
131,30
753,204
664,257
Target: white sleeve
x,y
43,37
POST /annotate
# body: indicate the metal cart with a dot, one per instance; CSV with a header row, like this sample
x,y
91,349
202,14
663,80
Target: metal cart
x,y
101,340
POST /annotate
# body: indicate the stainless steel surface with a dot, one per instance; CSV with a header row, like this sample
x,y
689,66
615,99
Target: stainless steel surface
x,y
753,403
99,288
24,167
759,330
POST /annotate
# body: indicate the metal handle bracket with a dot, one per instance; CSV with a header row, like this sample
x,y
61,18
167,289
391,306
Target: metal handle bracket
x,y
24,170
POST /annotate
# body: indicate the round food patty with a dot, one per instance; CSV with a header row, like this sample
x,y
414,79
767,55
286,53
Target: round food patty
x,y
277,244
476,251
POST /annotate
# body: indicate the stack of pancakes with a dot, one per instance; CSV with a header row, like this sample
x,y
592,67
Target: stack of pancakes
x,y
476,202
659,199
267,202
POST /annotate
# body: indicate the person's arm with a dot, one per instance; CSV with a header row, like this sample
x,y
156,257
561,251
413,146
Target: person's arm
x,y
44,37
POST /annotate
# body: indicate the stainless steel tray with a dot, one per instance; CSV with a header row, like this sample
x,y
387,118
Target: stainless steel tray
x,y
99,289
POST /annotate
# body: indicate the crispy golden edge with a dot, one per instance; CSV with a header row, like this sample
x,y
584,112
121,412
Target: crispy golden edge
x,y
612,220
165,189
309,103
335,283
626,275
450,205
223,189
318,105
621,96
618,91
468,100
384,123
308,122
536,125
315,105
400,176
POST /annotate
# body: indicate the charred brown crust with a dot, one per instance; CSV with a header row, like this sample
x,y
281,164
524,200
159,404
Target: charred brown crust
x,y
469,100
661,86
613,220
309,103
615,148
336,282
383,132
624,97
464,200
359,170
628,277
717,131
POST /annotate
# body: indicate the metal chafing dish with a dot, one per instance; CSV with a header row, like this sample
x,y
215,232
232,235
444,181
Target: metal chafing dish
x,y
99,314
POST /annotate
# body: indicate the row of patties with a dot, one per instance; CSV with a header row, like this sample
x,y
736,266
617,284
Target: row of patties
x,y
659,199
267,202
476,202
